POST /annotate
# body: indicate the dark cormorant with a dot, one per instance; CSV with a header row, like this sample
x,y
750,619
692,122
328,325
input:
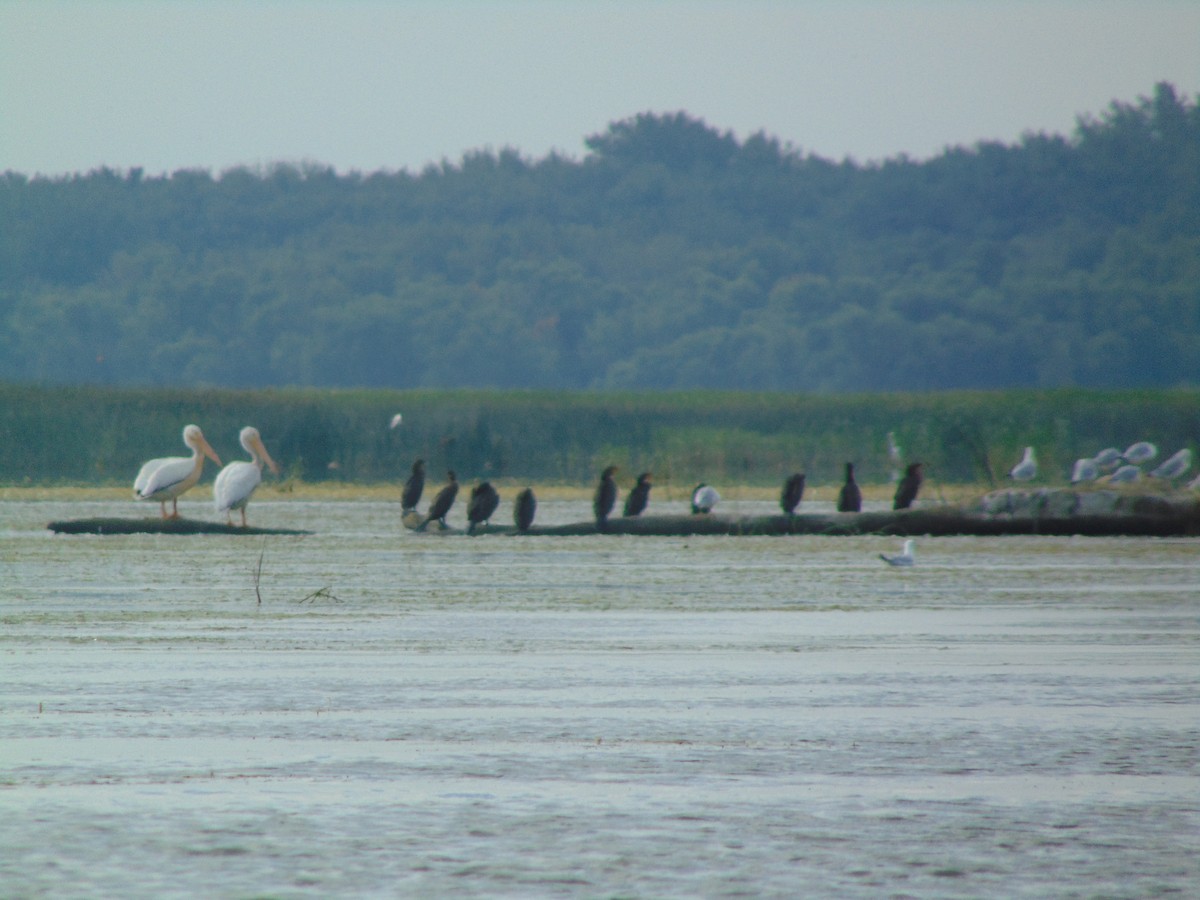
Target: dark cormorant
x,y
414,486
442,502
482,504
524,509
906,492
638,496
704,498
605,497
850,497
793,493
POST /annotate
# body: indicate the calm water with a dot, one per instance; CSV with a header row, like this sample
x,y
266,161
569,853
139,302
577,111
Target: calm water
x,y
409,715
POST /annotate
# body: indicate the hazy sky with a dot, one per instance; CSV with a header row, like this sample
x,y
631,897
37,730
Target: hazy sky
x,y
387,85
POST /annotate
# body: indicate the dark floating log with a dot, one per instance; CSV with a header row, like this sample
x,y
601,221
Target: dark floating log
x,y
158,526
1049,512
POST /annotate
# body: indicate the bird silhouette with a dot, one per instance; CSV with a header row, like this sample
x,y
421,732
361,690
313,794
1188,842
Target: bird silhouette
x,y
850,496
605,497
414,486
483,502
638,496
442,502
910,484
524,509
793,493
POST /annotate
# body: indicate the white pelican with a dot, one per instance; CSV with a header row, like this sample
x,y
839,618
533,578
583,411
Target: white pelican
x,y
238,480
1085,470
905,557
1026,469
1142,451
1174,466
166,478
704,498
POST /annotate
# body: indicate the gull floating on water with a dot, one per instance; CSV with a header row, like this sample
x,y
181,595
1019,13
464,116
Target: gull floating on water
x,y
905,557
1174,466
1026,469
1142,451
396,420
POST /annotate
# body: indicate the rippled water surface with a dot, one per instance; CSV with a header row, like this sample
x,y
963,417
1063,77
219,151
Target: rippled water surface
x,y
407,715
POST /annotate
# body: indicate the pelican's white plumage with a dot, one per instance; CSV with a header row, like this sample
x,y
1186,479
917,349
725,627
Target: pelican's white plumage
x,y
905,557
1142,451
168,477
1026,469
238,480
1175,465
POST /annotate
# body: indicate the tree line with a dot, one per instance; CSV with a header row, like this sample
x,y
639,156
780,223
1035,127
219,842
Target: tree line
x,y
671,256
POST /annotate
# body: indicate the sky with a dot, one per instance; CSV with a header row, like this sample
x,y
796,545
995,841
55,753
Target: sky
x,y
364,85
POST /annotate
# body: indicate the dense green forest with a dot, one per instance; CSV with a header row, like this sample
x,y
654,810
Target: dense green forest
x,y
671,256
101,435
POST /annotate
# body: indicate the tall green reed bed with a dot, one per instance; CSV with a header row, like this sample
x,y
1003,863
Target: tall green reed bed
x,y
100,435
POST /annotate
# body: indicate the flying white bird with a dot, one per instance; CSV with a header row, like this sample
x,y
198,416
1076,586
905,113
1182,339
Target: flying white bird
x,y
1026,469
905,557
1142,451
396,420
1085,470
1174,466
238,480
168,477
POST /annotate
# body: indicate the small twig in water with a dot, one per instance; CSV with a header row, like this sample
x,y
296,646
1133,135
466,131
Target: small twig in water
x,y
324,593
258,573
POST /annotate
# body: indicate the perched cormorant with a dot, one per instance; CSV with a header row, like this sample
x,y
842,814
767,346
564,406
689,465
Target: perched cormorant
x,y
524,509
482,504
793,493
704,498
850,497
638,496
906,492
442,502
1026,469
414,487
605,497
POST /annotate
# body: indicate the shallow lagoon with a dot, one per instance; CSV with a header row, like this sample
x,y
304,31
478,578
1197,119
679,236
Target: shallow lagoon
x,y
591,716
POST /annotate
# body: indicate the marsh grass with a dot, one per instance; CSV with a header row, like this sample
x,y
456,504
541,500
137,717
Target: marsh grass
x,y
52,437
